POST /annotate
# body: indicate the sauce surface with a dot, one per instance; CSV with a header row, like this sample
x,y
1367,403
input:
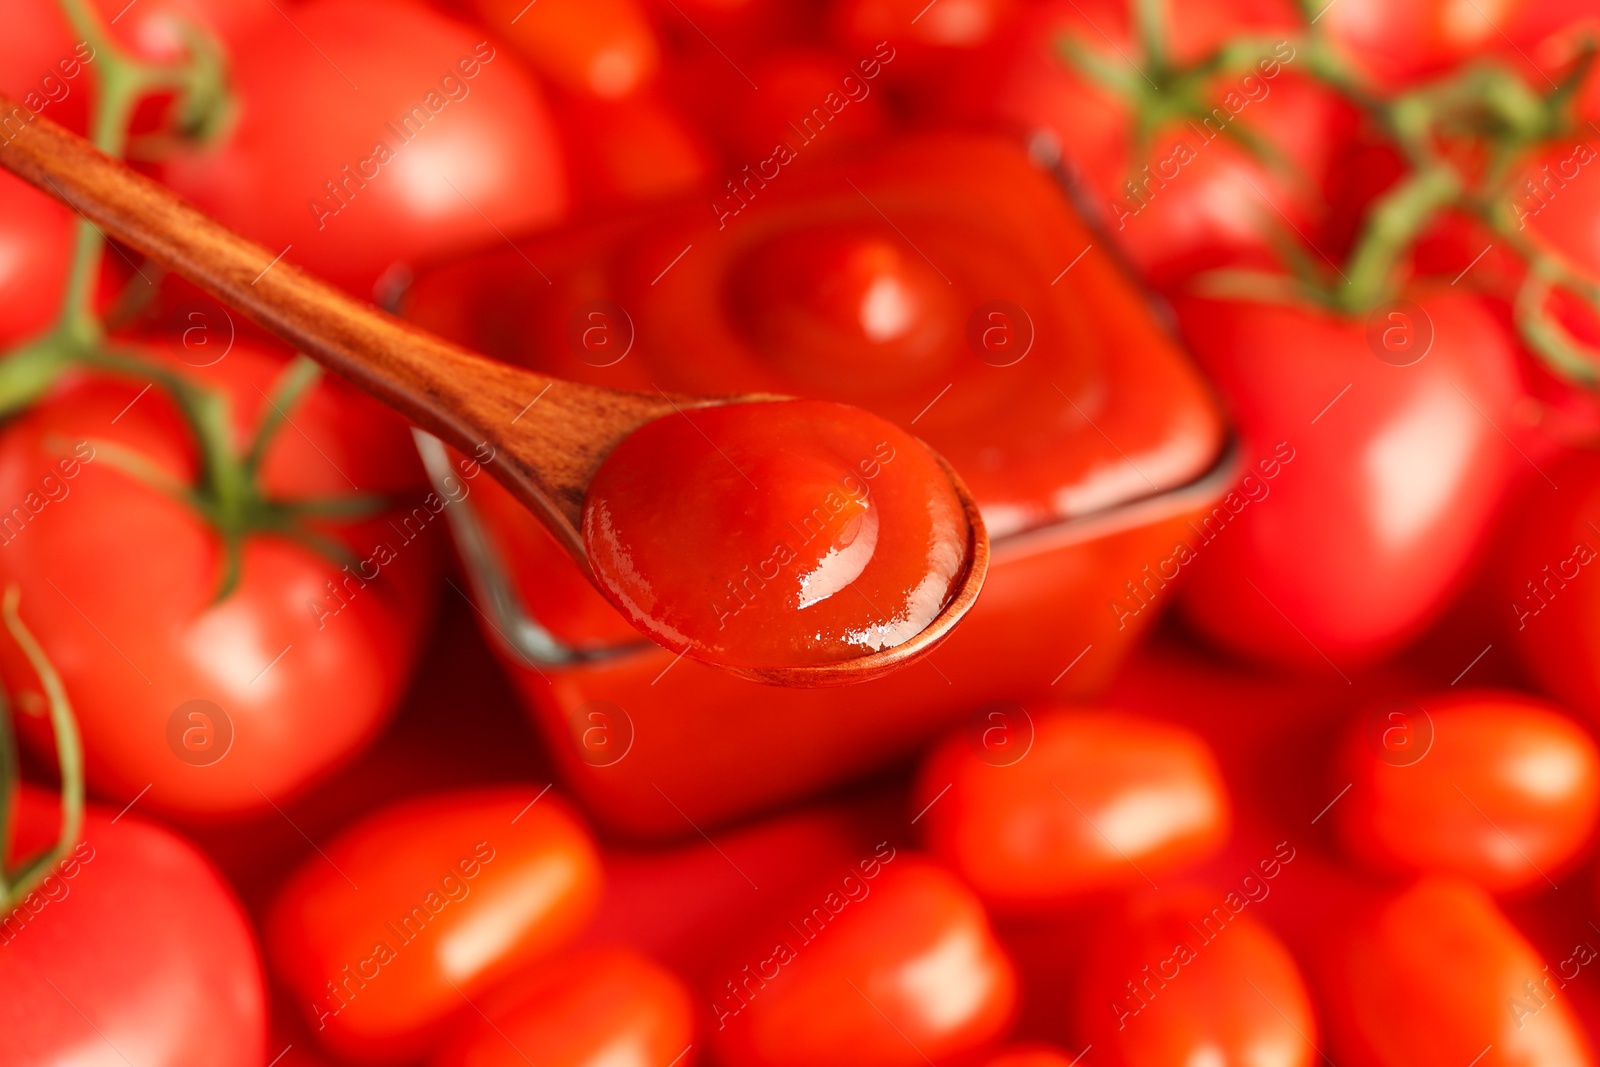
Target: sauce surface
x,y
776,534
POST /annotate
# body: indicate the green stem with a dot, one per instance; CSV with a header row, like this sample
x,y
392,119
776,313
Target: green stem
x,y
69,757
1392,228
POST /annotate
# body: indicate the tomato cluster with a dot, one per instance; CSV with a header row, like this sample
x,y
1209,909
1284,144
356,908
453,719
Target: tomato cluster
x,y
1264,335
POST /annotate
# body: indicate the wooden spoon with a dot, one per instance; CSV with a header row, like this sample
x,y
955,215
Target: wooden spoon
x,y
465,399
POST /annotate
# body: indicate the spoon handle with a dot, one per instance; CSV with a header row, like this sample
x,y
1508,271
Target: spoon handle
x,y
461,397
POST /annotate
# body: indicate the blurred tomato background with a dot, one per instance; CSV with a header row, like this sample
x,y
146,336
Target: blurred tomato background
x,y
1265,336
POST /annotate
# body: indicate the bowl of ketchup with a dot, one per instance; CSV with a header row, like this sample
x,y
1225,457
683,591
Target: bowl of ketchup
x,y
943,284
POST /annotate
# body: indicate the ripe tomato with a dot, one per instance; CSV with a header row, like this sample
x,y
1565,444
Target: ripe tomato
x,y
391,931
1401,41
628,150
1200,190
401,133
603,48
607,1005
687,905
1548,602
35,253
1101,800
1189,978
132,949
1437,976
1491,786
1029,1055
926,32
893,966
196,704
49,69
1385,476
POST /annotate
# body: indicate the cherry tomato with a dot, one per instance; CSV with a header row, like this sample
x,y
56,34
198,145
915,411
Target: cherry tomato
x,y
1549,609
925,32
1188,977
602,48
795,83
1491,786
51,70
35,253
687,905
853,523
386,934
1236,171
1376,463
602,1006
1400,41
1029,1055
632,149
131,949
200,704
1471,986
1098,800
400,133
893,964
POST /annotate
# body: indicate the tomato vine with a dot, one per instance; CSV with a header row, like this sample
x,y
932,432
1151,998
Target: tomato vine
x,y
1485,105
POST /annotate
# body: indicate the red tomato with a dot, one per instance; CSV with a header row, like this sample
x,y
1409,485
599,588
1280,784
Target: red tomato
x,y
604,1006
1029,1056
131,950
1491,786
1401,41
35,254
389,932
1547,603
795,85
212,706
1557,194
894,966
1100,800
401,133
1470,986
1197,195
49,69
1189,978
632,149
686,905
602,48
853,523
1371,484
924,30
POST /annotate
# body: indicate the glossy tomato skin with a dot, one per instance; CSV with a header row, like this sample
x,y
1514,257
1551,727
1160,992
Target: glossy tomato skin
x,y
896,957
293,671
1549,610
601,48
35,255
133,943
412,135
428,901
1436,975
578,1012
1101,800
1383,478
1492,786
1403,41
1186,976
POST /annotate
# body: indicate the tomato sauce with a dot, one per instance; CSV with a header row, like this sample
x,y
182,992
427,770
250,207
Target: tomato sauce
x,y
777,533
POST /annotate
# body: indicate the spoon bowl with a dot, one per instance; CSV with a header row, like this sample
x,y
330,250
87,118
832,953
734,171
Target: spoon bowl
x,y
544,437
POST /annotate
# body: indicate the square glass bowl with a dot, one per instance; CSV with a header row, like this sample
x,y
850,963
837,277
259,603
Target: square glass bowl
x,y
944,282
